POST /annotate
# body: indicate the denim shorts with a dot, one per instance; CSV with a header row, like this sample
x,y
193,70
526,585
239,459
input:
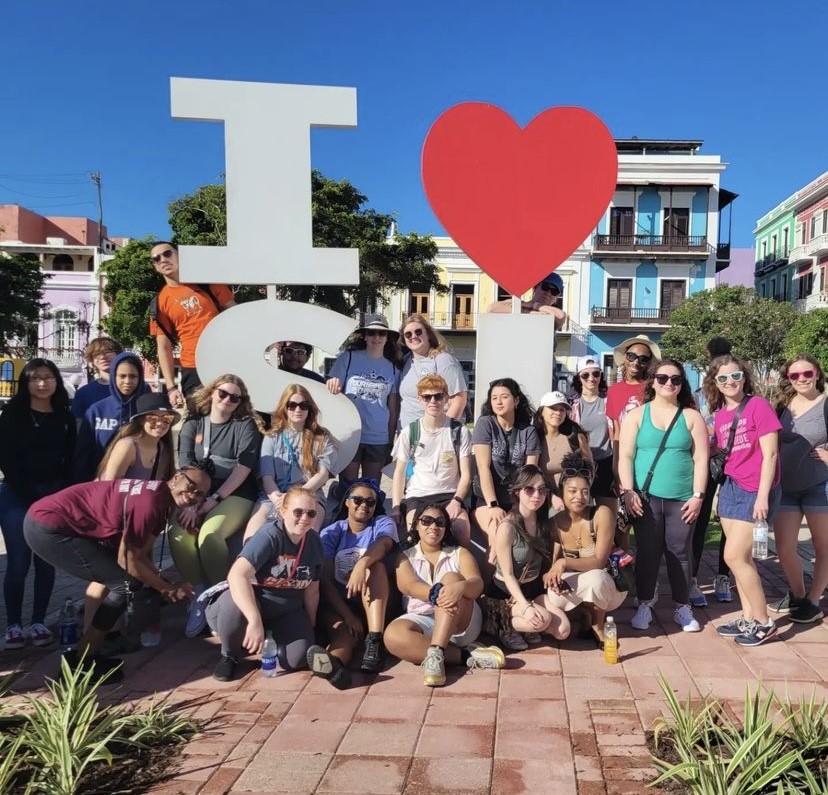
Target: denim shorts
x,y
736,503
812,500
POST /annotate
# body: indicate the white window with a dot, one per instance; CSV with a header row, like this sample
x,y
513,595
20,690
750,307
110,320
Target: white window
x,y
66,330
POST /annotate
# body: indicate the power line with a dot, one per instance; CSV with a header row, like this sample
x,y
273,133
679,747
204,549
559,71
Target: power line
x,y
40,195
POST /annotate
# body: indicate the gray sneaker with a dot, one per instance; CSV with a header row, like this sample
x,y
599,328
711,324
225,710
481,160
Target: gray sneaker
x,y
434,667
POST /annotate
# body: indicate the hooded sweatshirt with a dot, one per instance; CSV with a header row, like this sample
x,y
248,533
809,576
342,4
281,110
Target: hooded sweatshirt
x,y
104,418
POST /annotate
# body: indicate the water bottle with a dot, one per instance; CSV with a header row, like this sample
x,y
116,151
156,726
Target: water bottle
x,y
270,663
760,540
610,641
151,636
68,632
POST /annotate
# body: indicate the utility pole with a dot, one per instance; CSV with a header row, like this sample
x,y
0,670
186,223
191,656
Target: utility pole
x,y
95,176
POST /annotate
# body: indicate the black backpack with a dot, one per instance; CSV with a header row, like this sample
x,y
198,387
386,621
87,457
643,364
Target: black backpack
x,y
170,334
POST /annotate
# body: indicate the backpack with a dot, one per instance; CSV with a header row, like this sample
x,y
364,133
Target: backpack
x,y
414,440
170,334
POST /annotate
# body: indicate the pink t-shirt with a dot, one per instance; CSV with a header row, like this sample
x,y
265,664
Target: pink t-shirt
x,y
744,464
622,398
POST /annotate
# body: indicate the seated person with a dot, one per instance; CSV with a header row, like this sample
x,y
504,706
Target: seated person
x,y
437,471
292,356
273,585
354,585
544,301
440,583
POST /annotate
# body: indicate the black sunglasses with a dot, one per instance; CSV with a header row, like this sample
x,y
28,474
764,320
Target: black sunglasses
x,y
427,397
643,358
231,396
417,332
156,258
292,406
298,513
590,374
193,486
806,374
358,501
427,521
663,378
373,332
548,287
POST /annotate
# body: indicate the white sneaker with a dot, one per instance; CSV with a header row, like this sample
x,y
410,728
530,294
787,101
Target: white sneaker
x,y
434,667
486,657
513,641
684,618
721,588
697,598
643,616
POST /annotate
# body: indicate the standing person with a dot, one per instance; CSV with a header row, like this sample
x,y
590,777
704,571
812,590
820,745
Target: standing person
x,y
662,467
589,410
803,412
104,531
504,439
223,431
716,346
180,314
367,372
427,354
37,440
98,355
274,585
433,462
292,358
750,492
546,299
296,451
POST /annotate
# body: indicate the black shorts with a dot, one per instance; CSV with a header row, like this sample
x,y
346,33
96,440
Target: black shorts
x,y
531,590
372,454
603,485
415,503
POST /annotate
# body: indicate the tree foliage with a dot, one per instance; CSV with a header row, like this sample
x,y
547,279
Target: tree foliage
x,y
21,298
809,334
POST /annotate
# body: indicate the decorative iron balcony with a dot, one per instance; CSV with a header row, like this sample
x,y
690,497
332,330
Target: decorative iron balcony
x,y
680,244
457,322
631,316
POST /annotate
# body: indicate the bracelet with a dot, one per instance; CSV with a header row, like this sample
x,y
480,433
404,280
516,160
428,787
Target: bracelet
x,y
434,592
459,499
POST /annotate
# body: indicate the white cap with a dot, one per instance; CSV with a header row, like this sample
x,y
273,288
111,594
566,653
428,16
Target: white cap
x,y
554,399
586,363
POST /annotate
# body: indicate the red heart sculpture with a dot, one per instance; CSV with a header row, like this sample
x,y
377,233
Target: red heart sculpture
x,y
518,201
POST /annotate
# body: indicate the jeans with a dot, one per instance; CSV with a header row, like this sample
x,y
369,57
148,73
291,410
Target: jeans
x,y
18,559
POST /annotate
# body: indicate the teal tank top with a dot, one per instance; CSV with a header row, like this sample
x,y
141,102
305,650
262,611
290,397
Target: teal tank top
x,y
673,476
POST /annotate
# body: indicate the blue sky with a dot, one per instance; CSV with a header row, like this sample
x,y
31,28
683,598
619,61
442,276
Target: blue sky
x,y
86,88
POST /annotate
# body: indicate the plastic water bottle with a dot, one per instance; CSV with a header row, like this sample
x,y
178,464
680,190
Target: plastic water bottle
x,y
151,636
69,633
270,663
610,641
760,540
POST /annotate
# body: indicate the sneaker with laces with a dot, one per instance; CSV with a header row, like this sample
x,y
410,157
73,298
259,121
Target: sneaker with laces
x,y
40,635
374,655
733,628
15,639
196,619
756,633
684,618
486,657
532,638
697,598
787,604
643,616
434,667
721,588
513,641
806,612
226,668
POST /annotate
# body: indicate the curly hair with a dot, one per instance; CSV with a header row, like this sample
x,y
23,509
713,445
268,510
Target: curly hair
x,y
436,341
715,399
413,536
314,435
575,462
784,389
523,408
202,399
685,395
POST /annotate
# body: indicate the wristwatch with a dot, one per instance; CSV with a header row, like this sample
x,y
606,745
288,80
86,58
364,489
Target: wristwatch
x,y
459,499
216,496
699,495
493,504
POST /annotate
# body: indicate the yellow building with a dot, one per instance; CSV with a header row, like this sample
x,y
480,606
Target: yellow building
x,y
10,370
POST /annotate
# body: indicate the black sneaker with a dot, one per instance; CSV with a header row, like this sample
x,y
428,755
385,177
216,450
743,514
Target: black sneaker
x,y
109,667
806,612
226,668
323,663
787,604
374,655
756,633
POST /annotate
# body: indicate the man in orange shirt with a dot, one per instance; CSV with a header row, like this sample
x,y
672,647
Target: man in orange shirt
x,y
182,312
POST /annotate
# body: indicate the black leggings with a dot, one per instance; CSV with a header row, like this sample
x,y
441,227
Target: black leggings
x,y
700,531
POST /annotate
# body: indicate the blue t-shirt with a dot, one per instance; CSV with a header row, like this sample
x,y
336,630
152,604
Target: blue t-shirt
x,y
345,548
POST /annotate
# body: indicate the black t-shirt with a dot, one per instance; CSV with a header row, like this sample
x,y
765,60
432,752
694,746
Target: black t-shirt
x,y
509,452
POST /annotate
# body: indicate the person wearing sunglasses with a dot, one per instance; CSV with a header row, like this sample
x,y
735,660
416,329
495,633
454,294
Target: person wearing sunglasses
x,y
433,462
273,585
589,410
98,355
662,469
37,445
583,538
292,357
439,582
427,353
222,434
546,300
367,372
104,531
296,451
632,358
355,585
750,491
523,547
179,314
803,412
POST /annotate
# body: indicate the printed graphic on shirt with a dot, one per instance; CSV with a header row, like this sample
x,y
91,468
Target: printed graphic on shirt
x,y
284,573
106,424
344,563
191,305
370,386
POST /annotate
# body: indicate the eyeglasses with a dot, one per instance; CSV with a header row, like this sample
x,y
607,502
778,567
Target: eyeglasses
x,y
298,513
192,486
806,374
548,287
375,332
734,376
596,374
358,501
36,379
233,397
642,358
663,378
571,472
158,419
417,332
437,397
531,491
163,255
303,406
294,351
427,521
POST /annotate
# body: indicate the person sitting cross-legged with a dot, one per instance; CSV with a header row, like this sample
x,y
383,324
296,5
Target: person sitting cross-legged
x,y
440,582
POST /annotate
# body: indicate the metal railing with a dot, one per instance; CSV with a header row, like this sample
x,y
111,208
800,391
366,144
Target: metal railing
x,y
450,320
780,255
655,243
631,315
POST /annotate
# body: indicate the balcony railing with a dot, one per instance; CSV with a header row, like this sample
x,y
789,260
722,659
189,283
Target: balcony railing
x,y
816,301
816,245
631,315
450,320
769,261
654,243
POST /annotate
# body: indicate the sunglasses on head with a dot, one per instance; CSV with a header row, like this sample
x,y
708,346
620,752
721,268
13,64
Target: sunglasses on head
x,y
427,521
806,374
231,396
358,501
571,472
663,378
642,358
531,491
596,374
294,351
548,287
375,332
292,406
156,258
298,513
737,376
410,335
437,397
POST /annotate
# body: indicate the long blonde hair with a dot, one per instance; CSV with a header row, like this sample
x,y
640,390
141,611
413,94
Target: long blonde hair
x,y
165,459
314,436
436,340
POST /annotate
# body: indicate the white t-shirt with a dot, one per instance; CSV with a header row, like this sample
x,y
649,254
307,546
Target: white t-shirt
x,y
436,470
417,367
